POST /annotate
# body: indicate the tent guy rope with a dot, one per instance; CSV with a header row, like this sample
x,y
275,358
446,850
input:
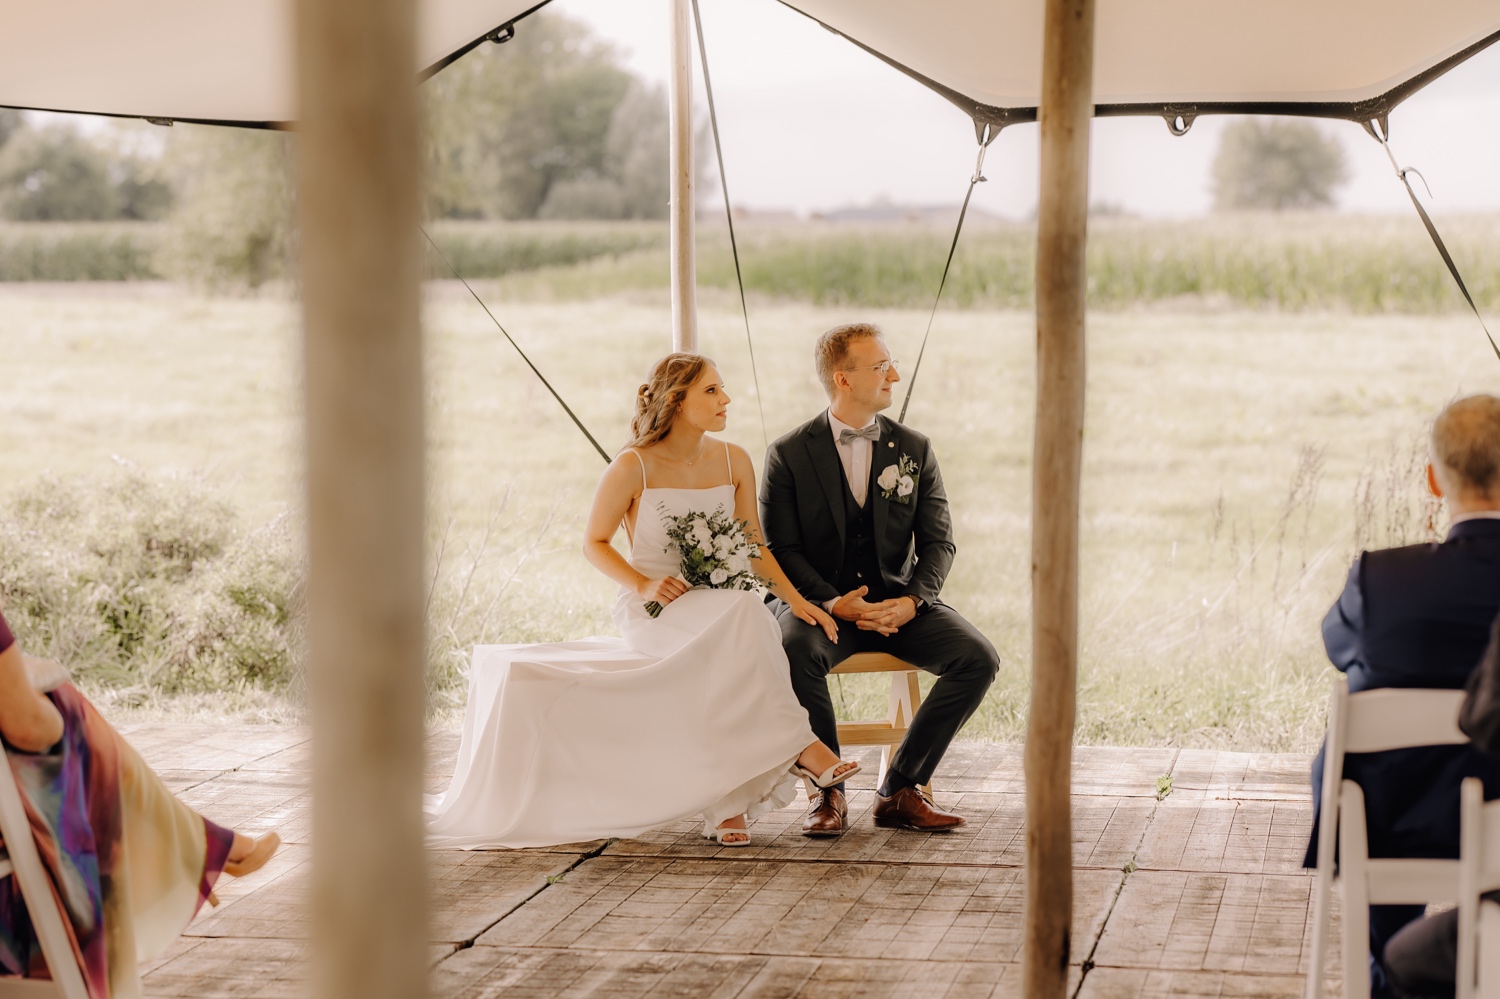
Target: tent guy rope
x,y
734,249
506,333
1381,132
986,134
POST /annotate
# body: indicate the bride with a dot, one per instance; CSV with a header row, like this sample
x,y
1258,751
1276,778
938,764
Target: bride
x,y
692,714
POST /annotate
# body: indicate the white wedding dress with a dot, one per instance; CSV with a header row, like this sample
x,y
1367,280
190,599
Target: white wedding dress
x,y
691,714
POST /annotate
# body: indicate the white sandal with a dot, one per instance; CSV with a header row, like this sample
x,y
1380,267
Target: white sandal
x,y
828,777
721,831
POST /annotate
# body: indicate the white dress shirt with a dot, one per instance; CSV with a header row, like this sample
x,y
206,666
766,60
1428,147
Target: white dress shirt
x,y
855,457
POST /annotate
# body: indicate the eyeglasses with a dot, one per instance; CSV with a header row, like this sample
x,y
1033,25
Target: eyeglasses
x,y
881,368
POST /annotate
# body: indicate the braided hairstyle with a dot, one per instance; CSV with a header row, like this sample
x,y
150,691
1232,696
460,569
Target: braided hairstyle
x,y
656,401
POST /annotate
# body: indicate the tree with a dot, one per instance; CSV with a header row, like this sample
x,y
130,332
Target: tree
x,y
1277,164
548,124
54,175
10,123
231,225
634,181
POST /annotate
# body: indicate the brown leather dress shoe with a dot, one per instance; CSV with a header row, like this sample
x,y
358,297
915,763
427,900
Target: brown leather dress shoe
x,y
826,812
909,809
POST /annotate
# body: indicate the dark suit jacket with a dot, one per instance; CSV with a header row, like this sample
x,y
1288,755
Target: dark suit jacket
x,y
802,512
1417,616
1480,716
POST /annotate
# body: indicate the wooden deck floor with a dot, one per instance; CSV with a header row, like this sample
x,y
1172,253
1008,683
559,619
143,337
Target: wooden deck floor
x,y
1196,894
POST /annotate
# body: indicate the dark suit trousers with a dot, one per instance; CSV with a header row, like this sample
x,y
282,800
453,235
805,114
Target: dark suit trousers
x,y
940,642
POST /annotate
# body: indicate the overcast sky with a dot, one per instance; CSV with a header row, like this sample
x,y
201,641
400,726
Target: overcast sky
x,y
810,122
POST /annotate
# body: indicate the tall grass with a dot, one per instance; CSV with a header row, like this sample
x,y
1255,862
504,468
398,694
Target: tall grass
x,y
79,251
492,249
1283,261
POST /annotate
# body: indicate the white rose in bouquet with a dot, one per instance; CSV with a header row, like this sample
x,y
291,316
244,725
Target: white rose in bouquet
x,y
738,564
718,576
905,486
702,534
888,478
723,544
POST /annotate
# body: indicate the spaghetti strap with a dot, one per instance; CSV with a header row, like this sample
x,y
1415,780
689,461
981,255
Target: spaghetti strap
x,y
728,464
643,466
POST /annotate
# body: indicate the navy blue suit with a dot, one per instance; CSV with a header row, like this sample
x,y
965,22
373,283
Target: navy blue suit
x,y
1417,616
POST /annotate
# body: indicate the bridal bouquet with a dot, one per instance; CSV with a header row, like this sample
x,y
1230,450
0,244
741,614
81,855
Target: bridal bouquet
x,y
716,551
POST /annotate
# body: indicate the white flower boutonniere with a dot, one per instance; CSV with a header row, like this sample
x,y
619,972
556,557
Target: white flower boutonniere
x,y
898,482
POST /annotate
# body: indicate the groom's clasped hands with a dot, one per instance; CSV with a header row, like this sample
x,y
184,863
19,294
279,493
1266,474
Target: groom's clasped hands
x,y
884,616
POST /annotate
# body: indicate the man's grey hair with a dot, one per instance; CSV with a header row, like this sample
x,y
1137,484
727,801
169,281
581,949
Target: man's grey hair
x,y
1466,446
832,349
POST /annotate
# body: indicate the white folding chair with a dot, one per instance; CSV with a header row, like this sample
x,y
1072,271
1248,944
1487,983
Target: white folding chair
x,y
24,864
1478,971
1372,721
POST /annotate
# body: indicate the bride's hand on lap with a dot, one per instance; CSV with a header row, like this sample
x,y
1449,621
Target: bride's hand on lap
x,y
811,613
663,591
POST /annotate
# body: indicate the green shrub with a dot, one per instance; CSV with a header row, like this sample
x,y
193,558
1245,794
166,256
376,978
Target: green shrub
x,y
79,251
128,580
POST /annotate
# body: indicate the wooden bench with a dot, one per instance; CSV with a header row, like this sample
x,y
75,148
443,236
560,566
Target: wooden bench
x,y
905,698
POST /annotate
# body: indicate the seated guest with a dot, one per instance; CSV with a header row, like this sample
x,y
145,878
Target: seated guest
x,y
1419,616
1421,959
130,864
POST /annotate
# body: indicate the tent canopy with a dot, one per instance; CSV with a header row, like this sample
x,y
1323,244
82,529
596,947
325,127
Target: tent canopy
x,y
228,61
1354,59
231,60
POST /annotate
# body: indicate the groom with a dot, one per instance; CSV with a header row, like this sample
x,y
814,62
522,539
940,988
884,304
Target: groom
x,y
853,507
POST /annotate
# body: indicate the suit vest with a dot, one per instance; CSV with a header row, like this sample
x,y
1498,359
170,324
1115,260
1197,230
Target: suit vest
x,y
861,565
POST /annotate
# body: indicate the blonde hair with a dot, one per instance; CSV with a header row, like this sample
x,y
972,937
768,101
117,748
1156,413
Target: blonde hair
x,y
1466,445
657,400
832,349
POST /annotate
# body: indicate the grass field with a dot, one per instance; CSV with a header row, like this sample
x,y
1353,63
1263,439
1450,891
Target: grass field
x,y
1287,261
1234,462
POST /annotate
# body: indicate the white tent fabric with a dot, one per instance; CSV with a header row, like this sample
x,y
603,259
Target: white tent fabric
x,y
231,60
1182,52
192,60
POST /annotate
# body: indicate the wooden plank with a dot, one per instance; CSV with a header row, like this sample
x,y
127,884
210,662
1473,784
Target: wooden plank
x,y
172,746
1200,773
492,973
1105,834
469,892
257,802
1121,983
872,662
1246,836
1243,923
866,911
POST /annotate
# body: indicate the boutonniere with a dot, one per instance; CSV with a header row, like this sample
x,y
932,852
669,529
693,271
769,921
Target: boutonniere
x,y
897,482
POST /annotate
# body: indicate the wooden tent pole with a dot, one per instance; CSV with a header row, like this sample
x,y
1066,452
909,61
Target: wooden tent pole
x,y
683,197
1061,282
359,198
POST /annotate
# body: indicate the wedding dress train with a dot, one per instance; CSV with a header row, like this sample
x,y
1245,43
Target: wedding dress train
x,y
692,713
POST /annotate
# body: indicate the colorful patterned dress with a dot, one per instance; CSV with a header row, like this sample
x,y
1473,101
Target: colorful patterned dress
x,y
130,863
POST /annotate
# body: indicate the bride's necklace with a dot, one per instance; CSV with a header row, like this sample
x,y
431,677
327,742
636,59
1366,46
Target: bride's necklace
x,y
687,461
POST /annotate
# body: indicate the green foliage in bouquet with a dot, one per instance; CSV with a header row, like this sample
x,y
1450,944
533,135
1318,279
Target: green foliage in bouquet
x,y
717,552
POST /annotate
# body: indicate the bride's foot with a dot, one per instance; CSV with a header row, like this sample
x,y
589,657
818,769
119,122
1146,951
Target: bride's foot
x,y
732,832
822,766
246,855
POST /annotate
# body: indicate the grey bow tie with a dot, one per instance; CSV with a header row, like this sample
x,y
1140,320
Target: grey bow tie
x,y
870,433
